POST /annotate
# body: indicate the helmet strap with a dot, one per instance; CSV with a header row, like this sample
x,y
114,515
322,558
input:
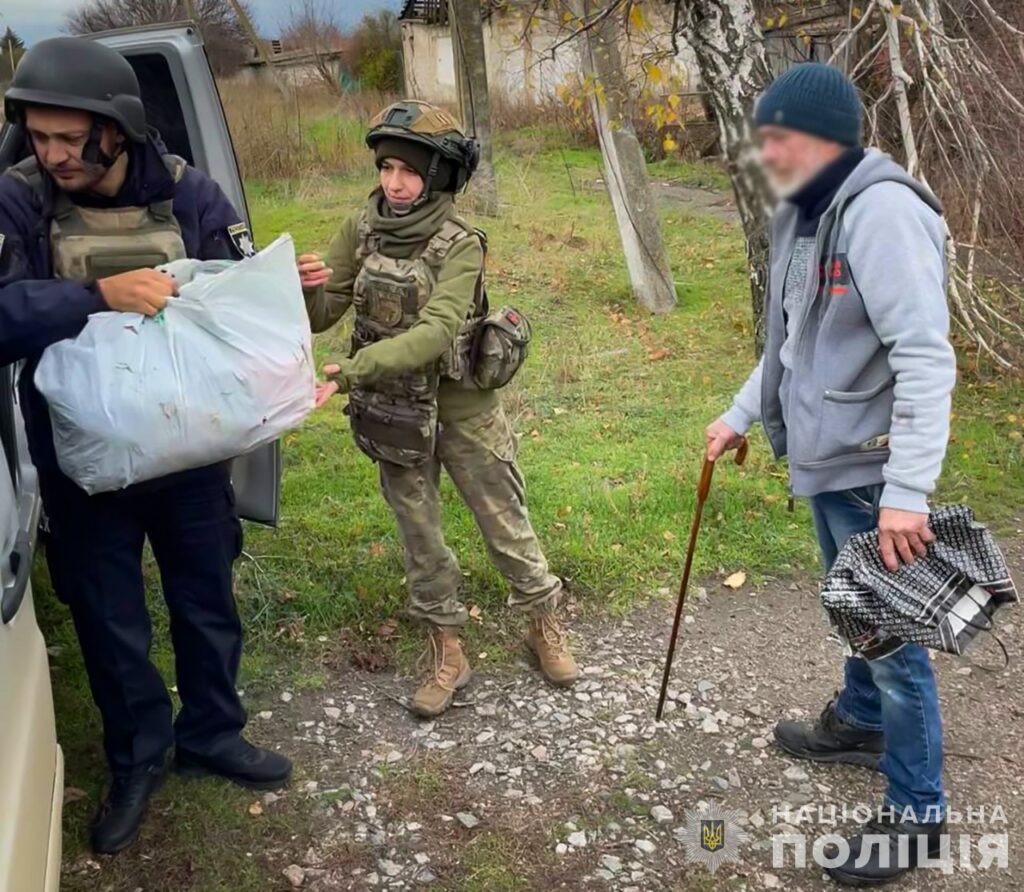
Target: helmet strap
x,y
435,165
92,152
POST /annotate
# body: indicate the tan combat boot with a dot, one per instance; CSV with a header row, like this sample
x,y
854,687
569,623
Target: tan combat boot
x,y
446,669
548,640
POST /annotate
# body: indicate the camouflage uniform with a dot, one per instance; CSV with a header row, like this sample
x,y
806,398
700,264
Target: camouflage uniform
x,y
416,284
479,455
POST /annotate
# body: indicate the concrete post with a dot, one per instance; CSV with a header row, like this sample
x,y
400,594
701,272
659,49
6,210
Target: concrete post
x,y
625,167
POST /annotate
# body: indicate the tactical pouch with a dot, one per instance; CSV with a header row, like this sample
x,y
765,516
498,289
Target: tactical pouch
x,y
500,348
402,434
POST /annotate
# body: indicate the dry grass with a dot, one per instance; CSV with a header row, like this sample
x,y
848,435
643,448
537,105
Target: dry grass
x,y
311,135
306,133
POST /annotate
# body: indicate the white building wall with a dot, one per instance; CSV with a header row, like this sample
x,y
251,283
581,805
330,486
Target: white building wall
x,y
520,67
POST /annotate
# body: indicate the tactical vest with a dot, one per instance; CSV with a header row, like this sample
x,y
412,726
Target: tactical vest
x,y
395,420
93,243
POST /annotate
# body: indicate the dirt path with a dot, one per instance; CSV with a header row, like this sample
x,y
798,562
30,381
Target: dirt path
x,y
694,198
525,787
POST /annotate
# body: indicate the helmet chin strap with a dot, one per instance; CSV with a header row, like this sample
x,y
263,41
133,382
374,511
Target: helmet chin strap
x,y
435,165
93,154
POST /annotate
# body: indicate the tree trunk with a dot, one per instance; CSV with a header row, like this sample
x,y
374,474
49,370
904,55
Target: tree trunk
x,y
625,168
730,54
474,97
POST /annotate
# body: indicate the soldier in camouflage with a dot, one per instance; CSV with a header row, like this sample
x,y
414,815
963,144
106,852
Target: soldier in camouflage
x,y
418,400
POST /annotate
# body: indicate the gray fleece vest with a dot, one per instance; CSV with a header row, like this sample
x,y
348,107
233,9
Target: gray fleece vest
x,y
835,439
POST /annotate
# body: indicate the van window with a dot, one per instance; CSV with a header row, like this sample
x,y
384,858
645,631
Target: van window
x,y
163,110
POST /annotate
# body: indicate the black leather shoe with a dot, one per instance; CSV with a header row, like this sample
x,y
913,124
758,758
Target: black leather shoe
x,y
883,861
116,825
830,739
243,764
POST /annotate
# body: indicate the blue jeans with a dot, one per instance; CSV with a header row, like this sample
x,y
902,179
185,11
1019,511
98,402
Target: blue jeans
x,y
895,694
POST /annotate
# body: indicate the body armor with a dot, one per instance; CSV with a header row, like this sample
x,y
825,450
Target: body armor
x,y
94,243
395,420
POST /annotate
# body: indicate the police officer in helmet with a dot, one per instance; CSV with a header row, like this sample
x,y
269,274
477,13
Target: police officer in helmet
x,y
83,221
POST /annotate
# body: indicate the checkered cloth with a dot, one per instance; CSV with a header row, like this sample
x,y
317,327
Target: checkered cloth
x,y
940,601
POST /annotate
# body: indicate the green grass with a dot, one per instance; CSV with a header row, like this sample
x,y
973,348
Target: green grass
x,y
611,408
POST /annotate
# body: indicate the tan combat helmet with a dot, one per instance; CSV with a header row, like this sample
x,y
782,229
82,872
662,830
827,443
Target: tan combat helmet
x,y
430,126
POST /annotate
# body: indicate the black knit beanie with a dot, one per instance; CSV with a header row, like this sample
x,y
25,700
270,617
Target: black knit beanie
x,y
813,98
418,157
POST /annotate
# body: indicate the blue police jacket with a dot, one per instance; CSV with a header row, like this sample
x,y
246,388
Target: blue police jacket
x,y
37,310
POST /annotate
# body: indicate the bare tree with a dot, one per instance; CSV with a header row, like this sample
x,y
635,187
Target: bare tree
x,y
474,95
313,26
943,83
224,35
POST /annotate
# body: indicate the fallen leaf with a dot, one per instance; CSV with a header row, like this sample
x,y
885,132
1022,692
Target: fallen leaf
x,y
736,580
387,629
376,549
256,809
475,612
73,794
669,536
369,659
656,355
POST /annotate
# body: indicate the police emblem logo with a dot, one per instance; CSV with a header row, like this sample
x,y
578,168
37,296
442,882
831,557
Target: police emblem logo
x,y
241,238
712,836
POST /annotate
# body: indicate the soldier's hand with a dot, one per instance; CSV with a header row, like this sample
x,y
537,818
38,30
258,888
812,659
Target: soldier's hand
x,y
139,291
313,272
719,438
326,389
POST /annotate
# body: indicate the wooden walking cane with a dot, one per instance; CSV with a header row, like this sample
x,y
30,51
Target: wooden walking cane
x,y
703,488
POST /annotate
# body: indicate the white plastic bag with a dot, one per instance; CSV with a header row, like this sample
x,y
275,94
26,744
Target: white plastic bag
x,y
225,368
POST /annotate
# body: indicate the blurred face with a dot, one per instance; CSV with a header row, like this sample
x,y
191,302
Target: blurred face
x,y
401,184
791,159
58,136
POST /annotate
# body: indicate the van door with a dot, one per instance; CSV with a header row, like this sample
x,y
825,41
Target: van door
x,y
31,764
182,102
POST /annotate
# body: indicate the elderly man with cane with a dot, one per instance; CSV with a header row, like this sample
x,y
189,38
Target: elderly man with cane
x,y
854,387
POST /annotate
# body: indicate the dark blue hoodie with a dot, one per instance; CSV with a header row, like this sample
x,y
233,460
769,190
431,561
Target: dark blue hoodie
x,y
37,310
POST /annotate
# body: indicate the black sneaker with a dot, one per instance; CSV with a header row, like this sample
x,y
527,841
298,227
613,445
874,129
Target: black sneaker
x,y
116,825
830,739
883,862
243,764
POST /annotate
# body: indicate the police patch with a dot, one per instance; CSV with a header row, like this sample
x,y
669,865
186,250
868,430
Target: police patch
x,y
241,238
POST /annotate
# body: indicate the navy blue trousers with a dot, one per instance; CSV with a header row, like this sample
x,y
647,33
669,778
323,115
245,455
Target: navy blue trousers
x,y
94,550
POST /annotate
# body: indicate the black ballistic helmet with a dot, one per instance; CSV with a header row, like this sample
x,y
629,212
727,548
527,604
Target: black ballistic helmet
x,y
74,72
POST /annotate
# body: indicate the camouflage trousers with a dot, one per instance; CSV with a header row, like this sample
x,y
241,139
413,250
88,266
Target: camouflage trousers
x,y
479,456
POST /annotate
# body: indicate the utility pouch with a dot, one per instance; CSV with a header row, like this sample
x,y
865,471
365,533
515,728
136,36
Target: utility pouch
x,y
500,348
402,434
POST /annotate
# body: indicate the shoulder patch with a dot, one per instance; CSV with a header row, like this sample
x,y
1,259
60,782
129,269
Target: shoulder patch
x,y
241,238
